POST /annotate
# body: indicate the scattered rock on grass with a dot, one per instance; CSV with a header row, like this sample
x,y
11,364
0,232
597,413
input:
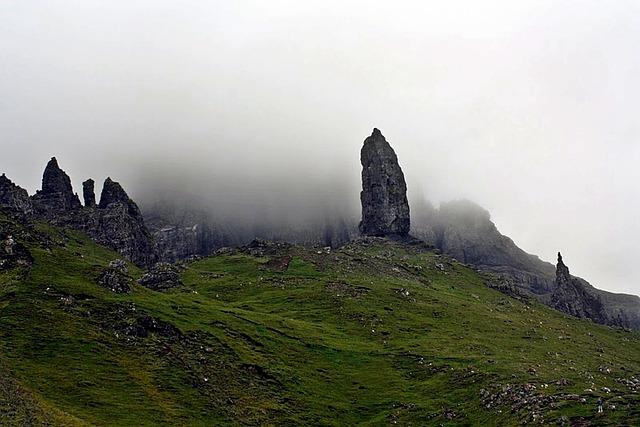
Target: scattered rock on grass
x,y
340,289
160,277
115,279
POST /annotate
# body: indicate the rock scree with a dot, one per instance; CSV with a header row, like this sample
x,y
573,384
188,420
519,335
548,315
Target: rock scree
x,y
385,208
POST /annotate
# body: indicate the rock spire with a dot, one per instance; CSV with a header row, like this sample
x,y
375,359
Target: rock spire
x,y
57,193
385,209
88,193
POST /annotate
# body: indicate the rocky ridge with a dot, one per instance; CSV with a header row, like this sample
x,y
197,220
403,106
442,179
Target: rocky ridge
x,y
464,230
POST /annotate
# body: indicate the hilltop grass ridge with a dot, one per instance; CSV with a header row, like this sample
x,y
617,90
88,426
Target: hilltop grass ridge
x,y
377,332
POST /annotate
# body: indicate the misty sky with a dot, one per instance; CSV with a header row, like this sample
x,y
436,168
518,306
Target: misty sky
x,y
528,108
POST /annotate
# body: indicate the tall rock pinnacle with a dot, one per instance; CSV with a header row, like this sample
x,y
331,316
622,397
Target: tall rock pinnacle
x,y
88,193
56,194
385,209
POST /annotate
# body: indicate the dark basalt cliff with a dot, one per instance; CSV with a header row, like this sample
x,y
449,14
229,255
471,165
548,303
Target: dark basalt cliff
x,y
385,209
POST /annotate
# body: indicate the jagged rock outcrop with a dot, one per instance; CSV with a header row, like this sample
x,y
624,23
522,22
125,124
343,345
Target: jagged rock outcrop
x,y
57,194
14,198
571,297
385,209
118,224
112,192
88,193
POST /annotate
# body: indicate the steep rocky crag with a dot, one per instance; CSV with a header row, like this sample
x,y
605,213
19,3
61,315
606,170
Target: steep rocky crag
x,y
56,195
572,297
116,222
14,198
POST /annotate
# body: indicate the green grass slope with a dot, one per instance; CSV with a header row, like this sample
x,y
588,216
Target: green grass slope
x,y
375,333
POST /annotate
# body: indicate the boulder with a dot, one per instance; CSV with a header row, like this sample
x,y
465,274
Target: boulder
x,y
120,265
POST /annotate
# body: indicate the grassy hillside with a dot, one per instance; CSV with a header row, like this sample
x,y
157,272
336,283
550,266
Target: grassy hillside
x,y
376,333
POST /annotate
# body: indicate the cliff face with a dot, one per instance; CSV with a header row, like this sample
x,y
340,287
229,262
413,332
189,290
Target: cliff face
x,y
385,209
460,229
572,297
181,230
464,230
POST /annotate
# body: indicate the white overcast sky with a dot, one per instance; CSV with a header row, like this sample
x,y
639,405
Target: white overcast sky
x,y
529,108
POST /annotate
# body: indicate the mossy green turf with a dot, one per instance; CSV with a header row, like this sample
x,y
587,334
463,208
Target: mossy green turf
x,y
375,333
